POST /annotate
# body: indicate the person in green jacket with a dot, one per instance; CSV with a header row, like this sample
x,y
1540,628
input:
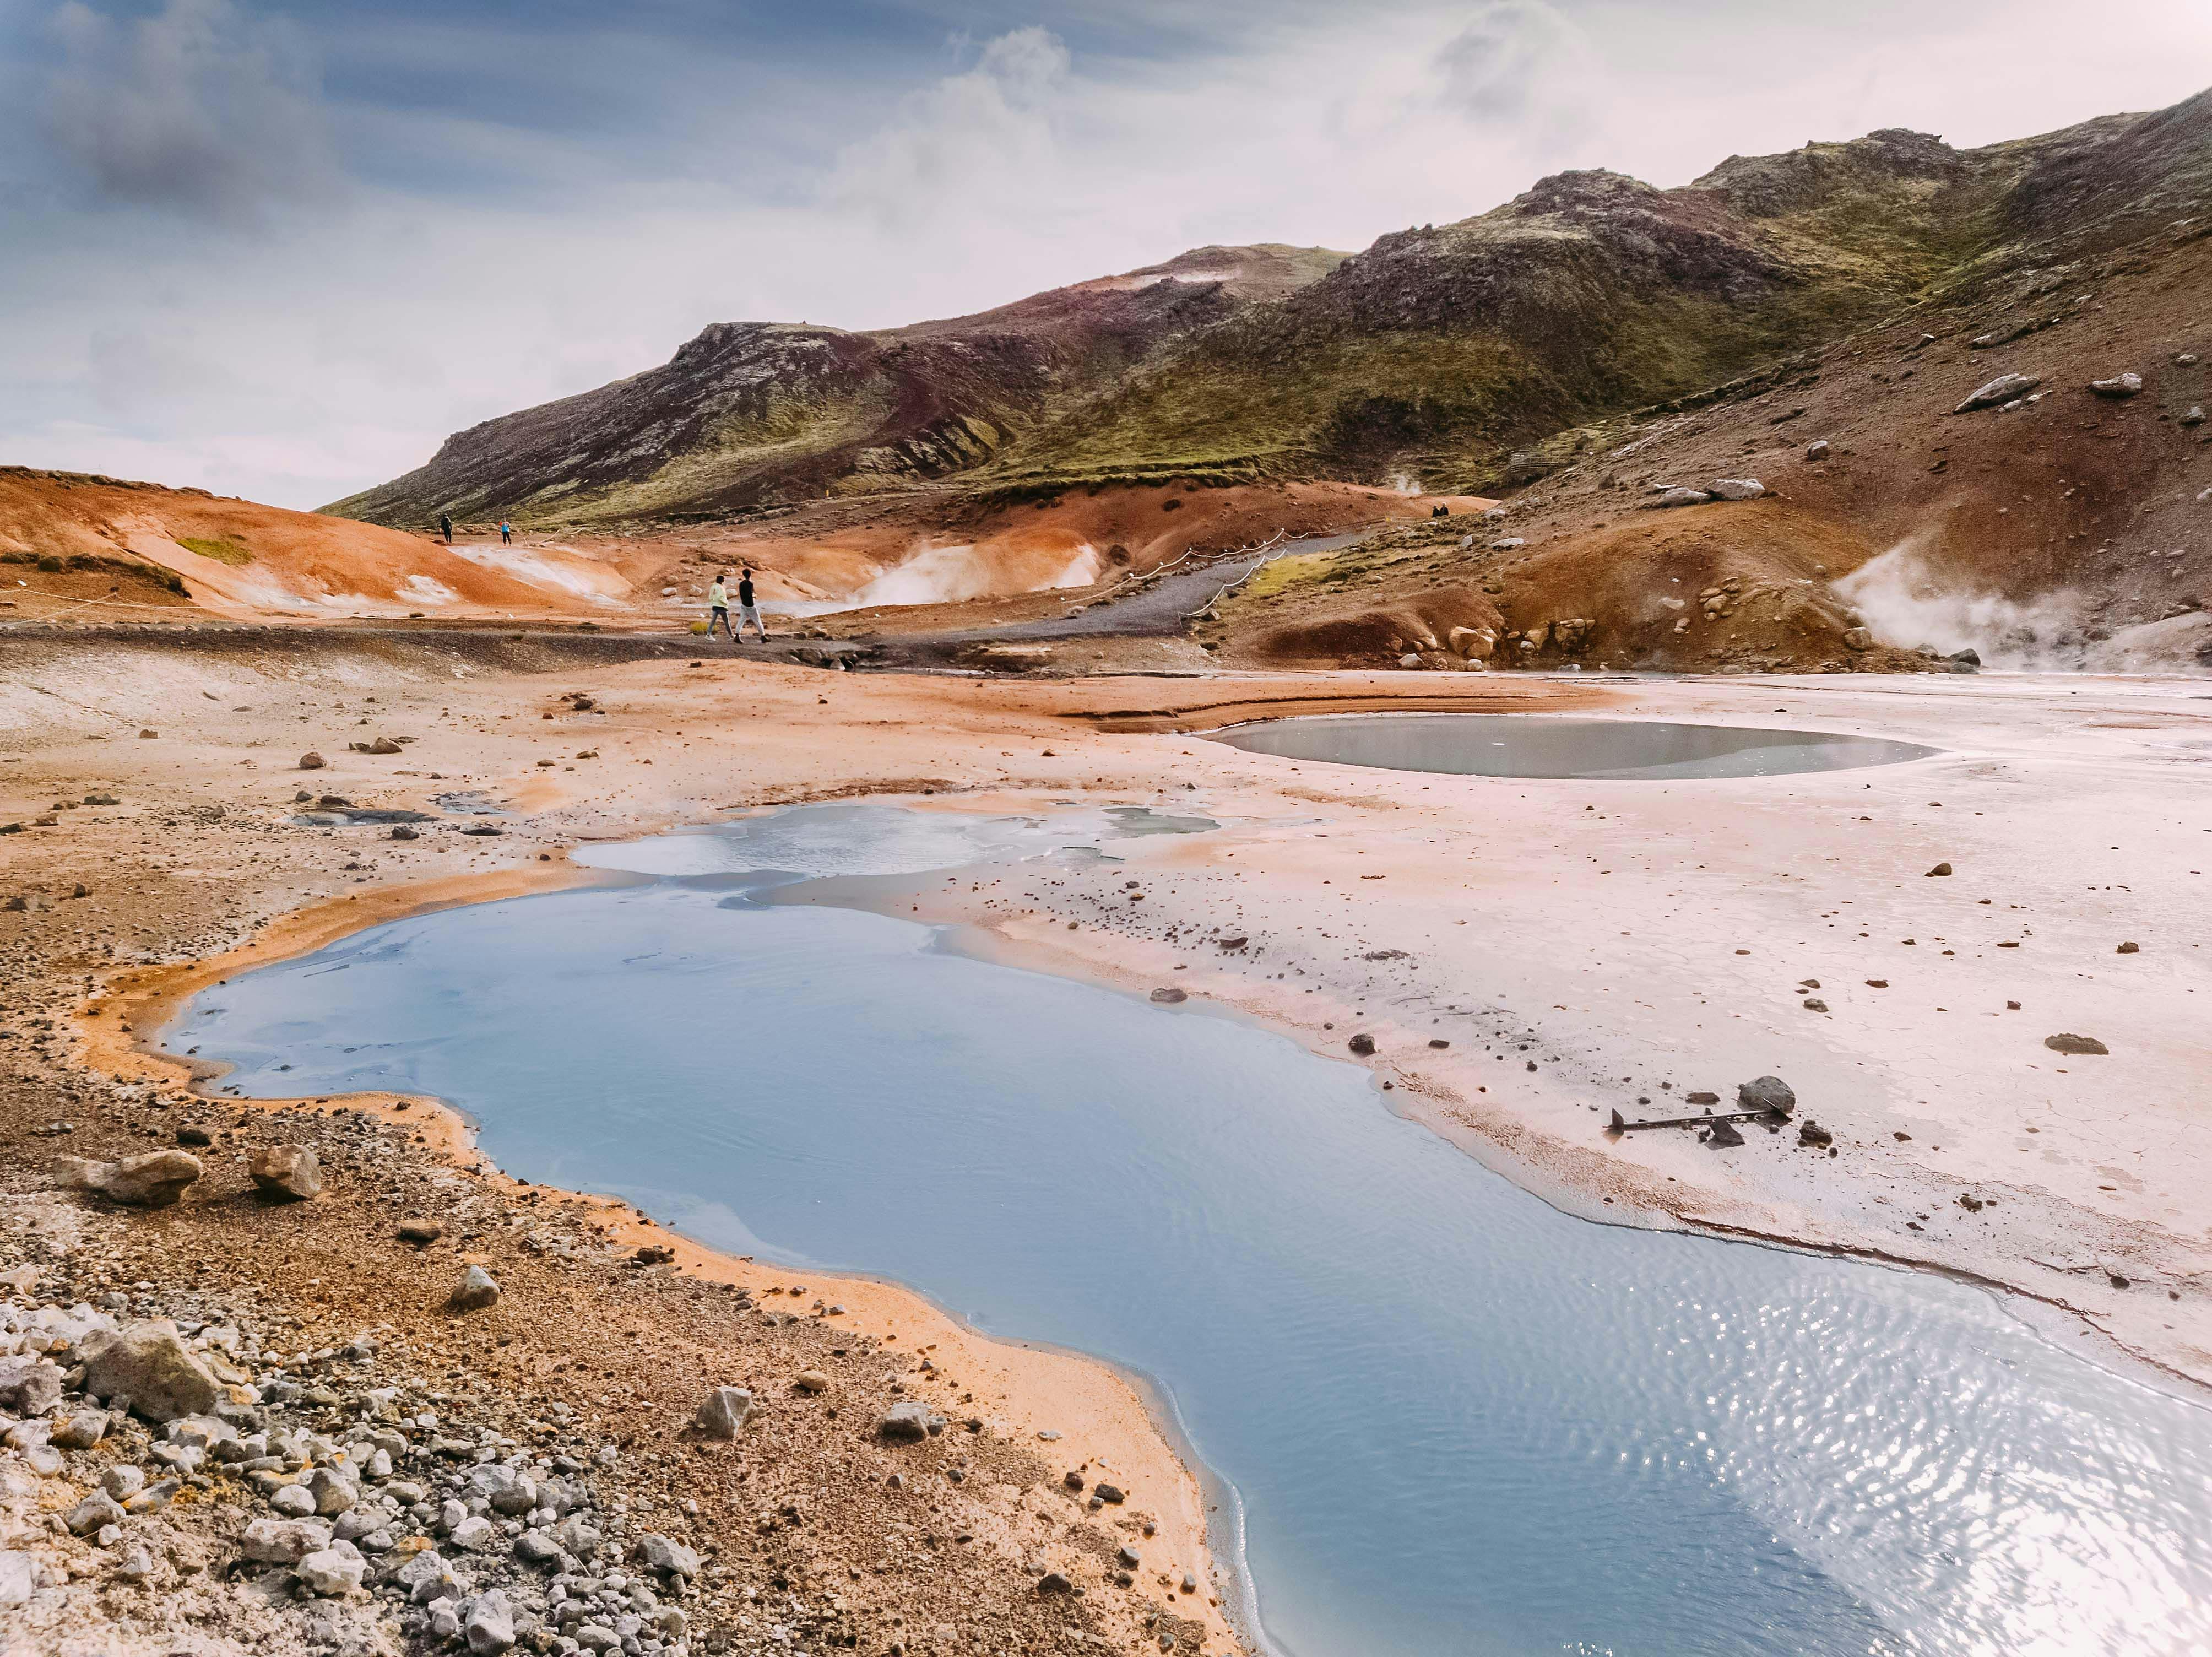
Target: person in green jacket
x,y
718,608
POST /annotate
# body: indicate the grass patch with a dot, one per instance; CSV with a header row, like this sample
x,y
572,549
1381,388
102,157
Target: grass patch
x,y
227,550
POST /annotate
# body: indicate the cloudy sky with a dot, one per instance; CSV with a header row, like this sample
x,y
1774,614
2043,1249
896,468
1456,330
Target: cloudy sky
x,y
280,250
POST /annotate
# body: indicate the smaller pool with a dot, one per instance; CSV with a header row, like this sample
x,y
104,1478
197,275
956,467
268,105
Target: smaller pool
x,y
1544,744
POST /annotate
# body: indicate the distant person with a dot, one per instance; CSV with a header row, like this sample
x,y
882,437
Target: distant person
x,y
446,528
506,532
748,611
718,608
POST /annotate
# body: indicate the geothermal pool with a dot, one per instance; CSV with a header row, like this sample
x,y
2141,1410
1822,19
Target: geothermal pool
x,y
1550,746
1453,1418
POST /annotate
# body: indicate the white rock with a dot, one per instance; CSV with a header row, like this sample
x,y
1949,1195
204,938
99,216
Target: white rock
x,y
335,1569
283,1541
490,1625
1738,489
19,1578
725,1412
2120,384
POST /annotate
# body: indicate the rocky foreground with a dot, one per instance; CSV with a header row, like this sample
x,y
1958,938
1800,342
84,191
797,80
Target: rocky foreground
x,y
318,1380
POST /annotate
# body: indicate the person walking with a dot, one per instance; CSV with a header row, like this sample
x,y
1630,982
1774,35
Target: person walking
x,y
748,611
446,526
718,608
506,532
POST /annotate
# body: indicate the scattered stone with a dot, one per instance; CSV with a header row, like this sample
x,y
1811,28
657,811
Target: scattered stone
x,y
155,1180
96,1511
1723,1136
2120,384
1679,496
477,1289
489,1626
1939,870
2194,416
2003,389
1738,489
81,1431
724,1414
191,1135
402,832
1109,1493
420,1231
2129,949
293,1502
123,1481
19,1579
812,1380
1877,984
311,761
1811,1133
2065,1042
382,744
148,1364
1701,1098
1817,449
290,1174
337,1570
1769,1094
1814,1004
669,1558
1363,1044
1858,638
1050,1582
1168,996
909,1422
30,1384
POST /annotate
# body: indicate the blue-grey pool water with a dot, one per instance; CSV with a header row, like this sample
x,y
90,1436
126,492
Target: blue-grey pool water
x,y
1459,1420
1553,745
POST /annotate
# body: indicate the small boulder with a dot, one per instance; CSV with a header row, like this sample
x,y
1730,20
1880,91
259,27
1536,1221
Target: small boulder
x,y
1723,1136
1363,1044
289,1173
1811,1133
337,1570
30,1385
1938,872
149,1364
382,744
283,1541
724,1414
1050,1582
812,1380
909,1422
1769,1094
1168,996
156,1180
1858,638
2074,1045
1817,449
311,761
19,1579
88,1515
2120,384
489,1626
669,1558
2003,389
1679,496
2129,949
420,1231
477,1290
1738,489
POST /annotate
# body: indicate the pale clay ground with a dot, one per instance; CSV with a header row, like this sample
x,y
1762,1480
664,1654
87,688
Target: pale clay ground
x,y
1629,933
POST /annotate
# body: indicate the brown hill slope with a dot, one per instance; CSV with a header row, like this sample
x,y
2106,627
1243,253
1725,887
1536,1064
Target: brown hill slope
x,y
2063,526
1444,350
754,413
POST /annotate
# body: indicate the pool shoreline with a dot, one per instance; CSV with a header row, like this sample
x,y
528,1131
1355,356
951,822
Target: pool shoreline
x,y
1122,1418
